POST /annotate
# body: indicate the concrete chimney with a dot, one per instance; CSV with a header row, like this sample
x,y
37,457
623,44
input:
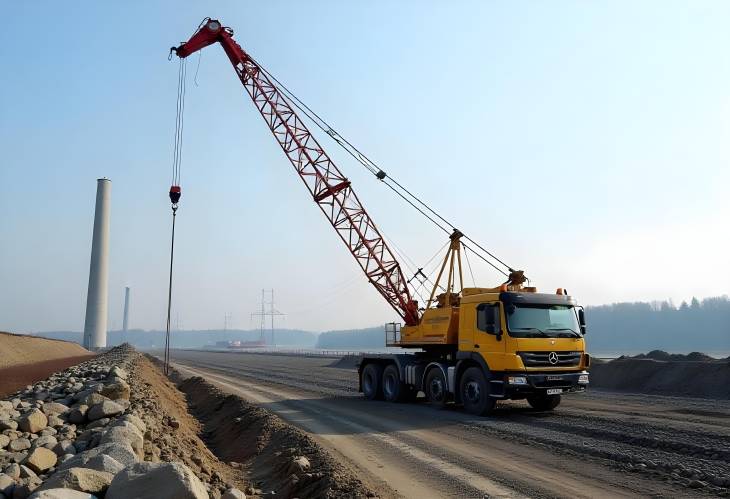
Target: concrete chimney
x,y
96,301
125,324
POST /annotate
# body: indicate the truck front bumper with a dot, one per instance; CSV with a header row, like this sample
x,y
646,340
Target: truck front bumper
x,y
521,384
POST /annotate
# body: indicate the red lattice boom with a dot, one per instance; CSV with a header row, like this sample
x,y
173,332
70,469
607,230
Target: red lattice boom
x,y
330,189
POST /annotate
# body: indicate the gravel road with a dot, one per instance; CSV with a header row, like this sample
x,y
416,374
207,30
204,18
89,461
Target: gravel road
x,y
597,444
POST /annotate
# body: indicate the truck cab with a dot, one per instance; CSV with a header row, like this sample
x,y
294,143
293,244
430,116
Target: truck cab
x,y
530,344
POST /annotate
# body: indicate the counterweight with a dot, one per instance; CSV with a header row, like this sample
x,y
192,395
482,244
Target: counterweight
x,y
329,188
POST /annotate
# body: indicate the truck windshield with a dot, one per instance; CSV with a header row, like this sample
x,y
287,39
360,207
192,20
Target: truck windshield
x,y
537,321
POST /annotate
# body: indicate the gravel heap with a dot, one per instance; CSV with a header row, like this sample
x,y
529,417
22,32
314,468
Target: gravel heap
x,y
76,435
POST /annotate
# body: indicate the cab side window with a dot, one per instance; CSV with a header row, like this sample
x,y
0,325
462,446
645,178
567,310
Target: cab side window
x,y
488,318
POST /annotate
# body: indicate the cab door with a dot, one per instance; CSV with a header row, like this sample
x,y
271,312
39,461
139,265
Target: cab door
x,y
490,335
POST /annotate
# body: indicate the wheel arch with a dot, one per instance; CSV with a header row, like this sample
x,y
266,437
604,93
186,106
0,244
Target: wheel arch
x,y
434,365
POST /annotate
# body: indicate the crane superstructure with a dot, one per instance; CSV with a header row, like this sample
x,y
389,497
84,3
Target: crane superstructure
x,y
477,345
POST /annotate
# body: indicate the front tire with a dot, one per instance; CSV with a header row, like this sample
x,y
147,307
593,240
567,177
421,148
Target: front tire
x,y
436,389
371,381
544,402
475,395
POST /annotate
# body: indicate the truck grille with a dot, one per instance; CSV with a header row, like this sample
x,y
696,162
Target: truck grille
x,y
553,383
543,359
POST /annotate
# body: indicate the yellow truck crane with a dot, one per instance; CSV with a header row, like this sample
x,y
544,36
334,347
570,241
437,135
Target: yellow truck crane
x,y
471,346
481,345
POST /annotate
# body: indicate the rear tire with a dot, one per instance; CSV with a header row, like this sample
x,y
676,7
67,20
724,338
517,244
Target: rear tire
x,y
475,394
372,381
394,389
436,389
544,402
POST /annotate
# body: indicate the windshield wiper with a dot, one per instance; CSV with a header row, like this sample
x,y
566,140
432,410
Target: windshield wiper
x,y
574,334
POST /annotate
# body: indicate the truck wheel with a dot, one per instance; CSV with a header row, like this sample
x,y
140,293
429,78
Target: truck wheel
x,y
394,390
436,389
372,379
544,402
474,391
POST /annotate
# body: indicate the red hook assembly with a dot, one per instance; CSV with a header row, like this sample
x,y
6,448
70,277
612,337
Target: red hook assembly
x,y
175,193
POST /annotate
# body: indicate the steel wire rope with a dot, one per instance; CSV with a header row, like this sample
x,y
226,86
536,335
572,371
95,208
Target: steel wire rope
x,y
427,276
176,171
416,270
179,123
468,264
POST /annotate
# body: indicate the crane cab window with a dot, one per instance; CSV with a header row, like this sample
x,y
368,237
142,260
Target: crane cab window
x,y
488,318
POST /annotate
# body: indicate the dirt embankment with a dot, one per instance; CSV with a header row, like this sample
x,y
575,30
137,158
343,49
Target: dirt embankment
x,y
276,456
659,373
17,349
27,359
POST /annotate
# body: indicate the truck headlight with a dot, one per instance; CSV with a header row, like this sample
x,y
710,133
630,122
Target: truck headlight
x,y
583,379
517,380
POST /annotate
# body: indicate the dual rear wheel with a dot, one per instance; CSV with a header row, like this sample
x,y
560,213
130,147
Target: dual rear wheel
x,y
380,383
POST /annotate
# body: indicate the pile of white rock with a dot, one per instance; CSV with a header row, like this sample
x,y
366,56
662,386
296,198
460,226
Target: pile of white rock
x,y
73,436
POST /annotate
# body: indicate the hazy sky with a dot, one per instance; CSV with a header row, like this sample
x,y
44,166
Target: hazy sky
x,y
585,142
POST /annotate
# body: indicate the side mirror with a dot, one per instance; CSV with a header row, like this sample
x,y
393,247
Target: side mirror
x,y
582,321
495,330
493,324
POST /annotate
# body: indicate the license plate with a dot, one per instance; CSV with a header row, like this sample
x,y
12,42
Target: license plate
x,y
554,391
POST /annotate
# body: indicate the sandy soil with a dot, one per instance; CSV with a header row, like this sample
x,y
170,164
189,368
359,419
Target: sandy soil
x,y
174,435
268,448
595,445
16,349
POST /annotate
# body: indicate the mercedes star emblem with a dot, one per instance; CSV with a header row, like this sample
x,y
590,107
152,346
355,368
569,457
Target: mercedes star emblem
x,y
553,358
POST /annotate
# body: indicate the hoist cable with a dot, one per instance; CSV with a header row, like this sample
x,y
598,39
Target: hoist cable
x,y
175,193
182,120
451,225
169,294
436,254
177,126
468,264
487,261
373,168
179,122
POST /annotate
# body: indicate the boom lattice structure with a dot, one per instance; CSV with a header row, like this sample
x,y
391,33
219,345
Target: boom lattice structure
x,y
329,188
